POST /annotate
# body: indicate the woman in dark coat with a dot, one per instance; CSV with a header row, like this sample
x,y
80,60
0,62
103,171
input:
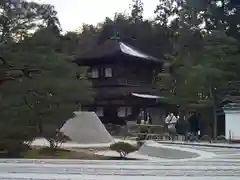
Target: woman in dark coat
x,y
194,123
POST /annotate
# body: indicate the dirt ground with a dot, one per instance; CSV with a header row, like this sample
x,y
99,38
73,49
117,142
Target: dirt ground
x,y
47,153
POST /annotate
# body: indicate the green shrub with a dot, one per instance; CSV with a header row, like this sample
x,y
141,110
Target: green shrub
x,y
15,141
10,148
206,138
123,148
221,138
55,138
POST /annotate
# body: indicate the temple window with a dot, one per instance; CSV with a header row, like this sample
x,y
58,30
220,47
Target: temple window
x,y
108,72
95,73
124,111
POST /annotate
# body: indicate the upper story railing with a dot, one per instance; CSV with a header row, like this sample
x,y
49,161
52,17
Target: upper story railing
x,y
121,82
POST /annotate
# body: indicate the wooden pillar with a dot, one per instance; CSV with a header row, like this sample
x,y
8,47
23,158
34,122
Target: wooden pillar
x,y
215,129
215,126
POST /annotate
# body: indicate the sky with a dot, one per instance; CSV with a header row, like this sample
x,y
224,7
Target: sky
x,y
73,13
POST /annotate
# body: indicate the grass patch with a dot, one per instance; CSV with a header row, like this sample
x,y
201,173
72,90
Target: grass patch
x,y
47,153
81,154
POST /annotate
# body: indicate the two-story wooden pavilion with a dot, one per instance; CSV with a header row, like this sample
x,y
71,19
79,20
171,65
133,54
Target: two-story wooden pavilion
x,y
123,78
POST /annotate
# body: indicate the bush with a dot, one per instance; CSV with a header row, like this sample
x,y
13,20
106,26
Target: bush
x,y
144,135
55,138
14,142
206,138
221,138
192,138
123,148
12,148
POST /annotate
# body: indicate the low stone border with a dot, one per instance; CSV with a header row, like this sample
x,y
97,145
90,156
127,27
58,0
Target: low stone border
x,y
201,144
141,156
135,155
202,154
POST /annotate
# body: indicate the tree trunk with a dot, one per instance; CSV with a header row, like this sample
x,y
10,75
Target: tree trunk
x,y
215,124
123,155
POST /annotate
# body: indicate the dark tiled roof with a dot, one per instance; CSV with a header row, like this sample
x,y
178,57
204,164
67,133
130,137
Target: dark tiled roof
x,y
231,99
112,48
231,102
106,92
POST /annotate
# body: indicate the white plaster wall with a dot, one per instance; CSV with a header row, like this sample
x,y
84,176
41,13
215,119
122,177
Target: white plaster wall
x,y
232,125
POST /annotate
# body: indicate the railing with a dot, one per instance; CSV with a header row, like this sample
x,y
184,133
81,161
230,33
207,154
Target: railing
x,y
121,82
154,132
151,132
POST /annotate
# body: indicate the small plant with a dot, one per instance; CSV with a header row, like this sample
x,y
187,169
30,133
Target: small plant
x,y
123,148
55,138
221,138
206,138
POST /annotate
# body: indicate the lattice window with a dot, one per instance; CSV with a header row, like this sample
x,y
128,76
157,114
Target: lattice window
x,y
95,73
108,72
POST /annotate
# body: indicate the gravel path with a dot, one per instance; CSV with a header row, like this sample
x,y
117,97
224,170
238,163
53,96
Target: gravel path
x,y
99,170
221,167
166,153
171,162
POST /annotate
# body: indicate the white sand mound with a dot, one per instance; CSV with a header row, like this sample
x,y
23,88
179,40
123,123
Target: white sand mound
x,y
86,128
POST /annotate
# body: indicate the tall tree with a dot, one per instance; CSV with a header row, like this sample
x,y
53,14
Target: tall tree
x,y
19,17
203,54
223,15
137,11
35,101
167,10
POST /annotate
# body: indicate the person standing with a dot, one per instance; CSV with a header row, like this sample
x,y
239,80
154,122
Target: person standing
x,y
140,119
181,126
194,124
166,121
171,121
149,118
186,128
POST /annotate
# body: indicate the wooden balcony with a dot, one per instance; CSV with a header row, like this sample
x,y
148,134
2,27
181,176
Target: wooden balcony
x,y
115,82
